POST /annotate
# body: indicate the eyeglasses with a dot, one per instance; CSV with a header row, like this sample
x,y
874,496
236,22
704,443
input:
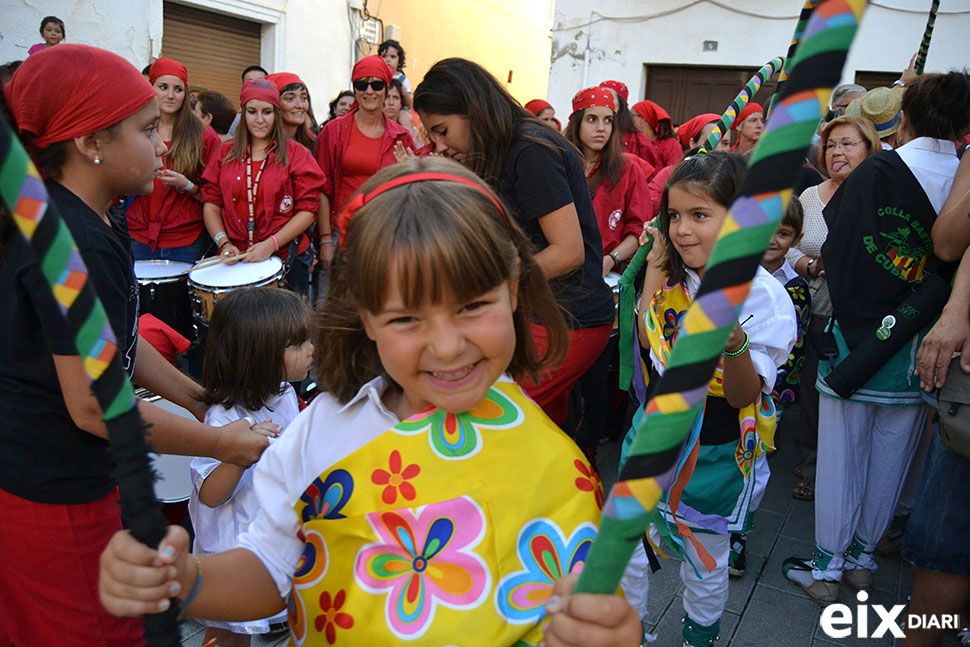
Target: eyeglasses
x,y
361,85
846,145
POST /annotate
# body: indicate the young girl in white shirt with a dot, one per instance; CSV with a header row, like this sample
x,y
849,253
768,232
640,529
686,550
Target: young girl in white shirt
x,y
716,497
258,343
392,509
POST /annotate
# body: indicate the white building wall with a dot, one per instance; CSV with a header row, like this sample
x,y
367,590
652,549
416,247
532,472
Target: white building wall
x,y
617,38
308,37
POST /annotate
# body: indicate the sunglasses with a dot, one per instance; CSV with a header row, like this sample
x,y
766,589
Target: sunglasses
x,y
361,85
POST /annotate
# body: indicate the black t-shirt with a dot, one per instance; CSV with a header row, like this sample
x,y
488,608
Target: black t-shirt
x,y
537,180
44,456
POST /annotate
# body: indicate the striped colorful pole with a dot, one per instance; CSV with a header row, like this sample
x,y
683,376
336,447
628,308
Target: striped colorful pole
x,y
24,196
749,90
924,46
679,397
796,38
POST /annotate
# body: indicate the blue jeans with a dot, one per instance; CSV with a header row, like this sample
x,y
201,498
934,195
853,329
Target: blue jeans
x,y
187,254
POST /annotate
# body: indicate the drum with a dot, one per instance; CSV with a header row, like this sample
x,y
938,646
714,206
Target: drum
x,y
162,292
174,483
211,283
613,280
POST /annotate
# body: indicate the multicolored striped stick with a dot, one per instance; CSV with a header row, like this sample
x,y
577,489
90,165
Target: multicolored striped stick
x,y
24,195
924,46
775,164
796,38
749,90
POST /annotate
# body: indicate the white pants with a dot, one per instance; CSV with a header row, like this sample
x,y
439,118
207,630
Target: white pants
x,y
704,597
864,452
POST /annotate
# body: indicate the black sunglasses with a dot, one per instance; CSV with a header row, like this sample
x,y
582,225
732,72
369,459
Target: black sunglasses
x,y
361,85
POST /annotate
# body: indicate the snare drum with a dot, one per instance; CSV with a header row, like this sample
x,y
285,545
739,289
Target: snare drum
x,y
613,280
174,483
209,284
162,292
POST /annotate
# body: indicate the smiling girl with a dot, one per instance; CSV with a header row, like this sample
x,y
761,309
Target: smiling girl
x,y
392,507
52,31
299,124
167,223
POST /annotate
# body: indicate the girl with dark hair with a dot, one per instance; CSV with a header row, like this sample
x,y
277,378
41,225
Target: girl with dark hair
x,y
351,148
258,343
719,494
52,31
471,118
89,119
341,104
167,223
378,523
393,54
879,252
299,124
634,142
261,191
654,122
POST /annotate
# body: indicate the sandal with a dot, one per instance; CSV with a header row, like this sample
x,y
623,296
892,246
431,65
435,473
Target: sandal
x,y
805,490
798,471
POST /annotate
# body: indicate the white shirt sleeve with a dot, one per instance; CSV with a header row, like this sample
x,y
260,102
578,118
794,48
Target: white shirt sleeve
x,y
772,329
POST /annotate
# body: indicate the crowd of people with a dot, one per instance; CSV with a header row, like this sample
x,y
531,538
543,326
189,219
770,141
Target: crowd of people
x,y
449,268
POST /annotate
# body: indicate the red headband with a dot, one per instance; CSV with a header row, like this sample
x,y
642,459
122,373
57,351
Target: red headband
x,y
537,105
372,65
167,66
283,79
589,97
650,111
693,126
71,90
259,89
363,198
746,112
620,88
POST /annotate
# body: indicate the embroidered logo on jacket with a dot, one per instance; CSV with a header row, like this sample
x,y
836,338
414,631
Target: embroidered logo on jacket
x,y
903,252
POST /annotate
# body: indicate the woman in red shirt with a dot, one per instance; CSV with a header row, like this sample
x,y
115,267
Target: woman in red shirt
x,y
167,223
618,186
656,124
296,109
634,142
261,192
351,148
749,125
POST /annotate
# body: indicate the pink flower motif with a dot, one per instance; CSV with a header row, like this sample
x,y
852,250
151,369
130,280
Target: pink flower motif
x,y
424,558
396,479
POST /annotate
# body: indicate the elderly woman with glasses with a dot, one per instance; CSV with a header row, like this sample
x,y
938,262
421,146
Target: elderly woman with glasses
x,y
355,146
845,142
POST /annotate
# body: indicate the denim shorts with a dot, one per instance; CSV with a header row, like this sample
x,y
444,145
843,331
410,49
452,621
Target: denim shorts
x,y
937,531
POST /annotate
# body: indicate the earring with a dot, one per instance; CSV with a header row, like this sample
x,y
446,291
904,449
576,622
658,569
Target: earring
x,y
97,160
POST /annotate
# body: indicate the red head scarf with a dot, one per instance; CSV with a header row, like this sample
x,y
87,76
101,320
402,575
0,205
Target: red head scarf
x,y
651,112
597,96
262,89
693,126
620,88
283,79
747,111
372,65
167,66
537,105
71,90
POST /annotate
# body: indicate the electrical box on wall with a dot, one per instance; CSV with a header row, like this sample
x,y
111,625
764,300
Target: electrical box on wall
x,y
710,45
392,32
356,5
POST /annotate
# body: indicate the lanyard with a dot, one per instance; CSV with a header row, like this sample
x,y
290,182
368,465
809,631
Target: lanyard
x,y
251,189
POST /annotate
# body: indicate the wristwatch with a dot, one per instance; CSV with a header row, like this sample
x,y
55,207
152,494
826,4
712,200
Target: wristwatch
x,y
616,256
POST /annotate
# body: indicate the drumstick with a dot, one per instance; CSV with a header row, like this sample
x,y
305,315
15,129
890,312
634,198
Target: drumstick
x,y
216,260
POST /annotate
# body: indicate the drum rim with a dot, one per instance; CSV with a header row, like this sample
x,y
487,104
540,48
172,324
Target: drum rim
x,y
168,278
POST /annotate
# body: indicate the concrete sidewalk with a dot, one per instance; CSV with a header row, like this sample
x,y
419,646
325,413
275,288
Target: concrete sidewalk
x,y
764,609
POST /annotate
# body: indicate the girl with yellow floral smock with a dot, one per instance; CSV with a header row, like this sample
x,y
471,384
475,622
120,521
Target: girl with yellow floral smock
x,y
720,477
423,497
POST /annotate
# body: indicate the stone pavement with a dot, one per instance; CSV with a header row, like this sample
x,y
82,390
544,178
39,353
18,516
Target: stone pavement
x,y
763,609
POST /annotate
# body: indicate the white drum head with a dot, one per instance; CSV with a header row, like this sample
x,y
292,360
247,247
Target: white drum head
x,y
242,273
160,269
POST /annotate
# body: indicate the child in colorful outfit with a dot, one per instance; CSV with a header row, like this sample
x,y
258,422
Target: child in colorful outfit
x,y
705,505
258,343
396,495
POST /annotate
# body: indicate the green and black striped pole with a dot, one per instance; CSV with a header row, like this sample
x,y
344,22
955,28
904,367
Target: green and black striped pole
x,y
744,96
924,45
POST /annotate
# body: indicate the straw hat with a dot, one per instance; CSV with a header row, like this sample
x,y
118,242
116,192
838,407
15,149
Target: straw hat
x,y
881,107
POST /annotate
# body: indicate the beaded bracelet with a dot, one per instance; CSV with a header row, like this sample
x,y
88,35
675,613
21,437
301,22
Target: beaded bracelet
x,y
739,351
195,587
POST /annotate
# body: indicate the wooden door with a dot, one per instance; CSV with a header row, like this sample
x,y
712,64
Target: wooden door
x,y
685,91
